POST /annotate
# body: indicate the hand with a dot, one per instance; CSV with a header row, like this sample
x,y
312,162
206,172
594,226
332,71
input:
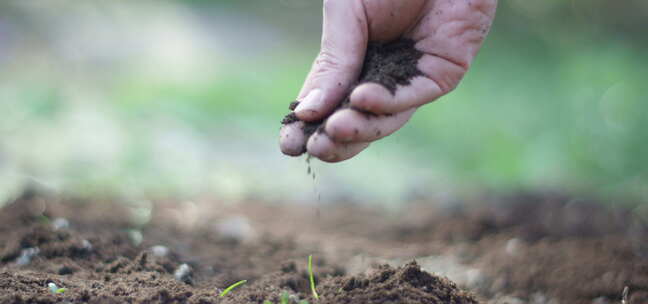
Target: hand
x,y
448,32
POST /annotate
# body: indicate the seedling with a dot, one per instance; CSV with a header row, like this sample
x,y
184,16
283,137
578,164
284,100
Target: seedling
x,y
312,277
285,299
624,295
228,289
55,289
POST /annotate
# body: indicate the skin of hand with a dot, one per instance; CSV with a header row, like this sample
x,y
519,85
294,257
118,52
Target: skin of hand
x,y
448,32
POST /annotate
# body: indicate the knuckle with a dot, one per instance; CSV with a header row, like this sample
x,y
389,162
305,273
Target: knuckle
x,y
327,62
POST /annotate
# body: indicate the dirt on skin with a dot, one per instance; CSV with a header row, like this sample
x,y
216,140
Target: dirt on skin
x,y
388,64
529,249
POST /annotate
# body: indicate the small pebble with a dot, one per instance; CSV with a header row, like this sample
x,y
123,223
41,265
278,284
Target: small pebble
x,y
26,255
86,245
55,289
160,251
513,246
135,236
52,287
60,223
184,274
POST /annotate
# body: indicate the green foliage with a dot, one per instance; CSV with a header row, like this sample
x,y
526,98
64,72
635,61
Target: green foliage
x,y
228,289
285,299
311,277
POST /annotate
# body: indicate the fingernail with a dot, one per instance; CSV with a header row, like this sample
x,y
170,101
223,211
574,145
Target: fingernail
x,y
311,103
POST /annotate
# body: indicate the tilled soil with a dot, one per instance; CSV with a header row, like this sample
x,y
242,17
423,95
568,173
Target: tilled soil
x,y
530,249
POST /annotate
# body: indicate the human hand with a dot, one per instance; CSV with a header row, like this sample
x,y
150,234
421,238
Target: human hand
x,y
448,33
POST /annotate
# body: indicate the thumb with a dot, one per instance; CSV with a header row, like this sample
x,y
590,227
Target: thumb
x,y
338,65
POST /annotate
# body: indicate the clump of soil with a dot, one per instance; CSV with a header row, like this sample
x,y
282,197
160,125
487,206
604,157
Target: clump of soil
x,y
391,64
407,284
388,64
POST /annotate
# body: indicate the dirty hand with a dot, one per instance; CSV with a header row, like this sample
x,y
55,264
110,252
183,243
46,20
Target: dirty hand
x,y
447,32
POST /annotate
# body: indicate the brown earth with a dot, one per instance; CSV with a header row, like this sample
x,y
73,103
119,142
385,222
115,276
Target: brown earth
x,y
530,249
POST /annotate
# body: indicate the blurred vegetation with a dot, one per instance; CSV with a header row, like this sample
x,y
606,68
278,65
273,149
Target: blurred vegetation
x,y
184,97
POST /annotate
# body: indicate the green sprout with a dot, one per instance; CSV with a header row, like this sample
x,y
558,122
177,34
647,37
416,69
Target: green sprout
x,y
624,295
312,277
228,289
55,289
285,299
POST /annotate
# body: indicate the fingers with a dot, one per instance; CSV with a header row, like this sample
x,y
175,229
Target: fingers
x,y
348,132
440,77
344,41
292,140
322,147
349,125
375,98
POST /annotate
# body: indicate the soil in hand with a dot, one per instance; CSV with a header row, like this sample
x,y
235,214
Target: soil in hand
x,y
388,64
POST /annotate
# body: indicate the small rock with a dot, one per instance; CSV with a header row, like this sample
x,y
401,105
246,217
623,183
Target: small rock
x,y
55,289
184,274
513,246
135,236
52,287
86,245
60,223
160,251
26,255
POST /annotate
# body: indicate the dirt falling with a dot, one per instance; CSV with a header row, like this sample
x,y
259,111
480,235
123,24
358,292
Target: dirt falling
x,y
311,172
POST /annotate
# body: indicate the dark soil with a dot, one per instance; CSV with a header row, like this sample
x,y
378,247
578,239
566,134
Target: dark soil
x,y
529,249
388,64
407,284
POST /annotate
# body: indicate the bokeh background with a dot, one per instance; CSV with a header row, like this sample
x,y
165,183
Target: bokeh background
x,y
159,98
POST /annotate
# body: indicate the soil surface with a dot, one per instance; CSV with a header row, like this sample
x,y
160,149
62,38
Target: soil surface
x,y
523,249
388,64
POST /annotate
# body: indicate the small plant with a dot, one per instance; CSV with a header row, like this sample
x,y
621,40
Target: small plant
x,y
55,289
228,289
285,299
312,277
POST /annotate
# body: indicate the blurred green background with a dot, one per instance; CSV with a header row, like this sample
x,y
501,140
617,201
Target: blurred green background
x,y
183,99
